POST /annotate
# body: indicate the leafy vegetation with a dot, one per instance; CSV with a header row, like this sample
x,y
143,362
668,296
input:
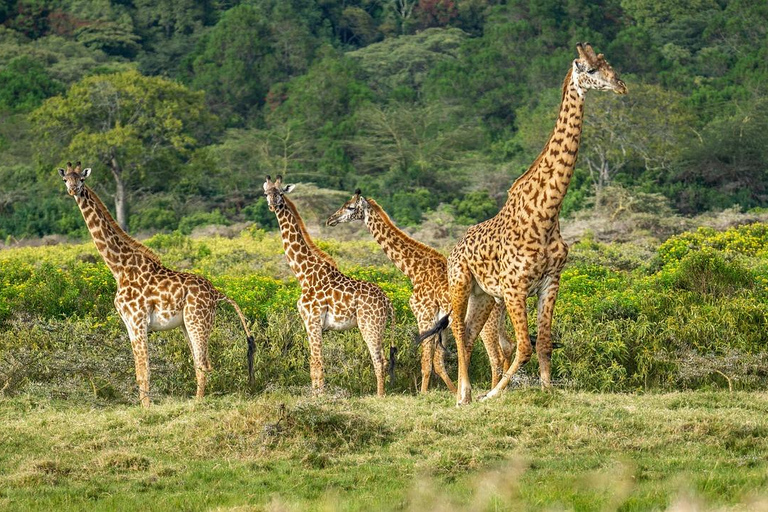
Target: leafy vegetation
x,y
690,315
410,100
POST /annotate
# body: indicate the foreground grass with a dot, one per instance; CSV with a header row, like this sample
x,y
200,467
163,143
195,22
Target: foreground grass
x,y
527,450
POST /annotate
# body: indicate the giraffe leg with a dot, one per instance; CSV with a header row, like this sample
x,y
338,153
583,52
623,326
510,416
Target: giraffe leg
x,y
491,336
460,285
439,362
517,312
137,331
372,323
432,353
546,306
198,322
315,340
505,344
478,307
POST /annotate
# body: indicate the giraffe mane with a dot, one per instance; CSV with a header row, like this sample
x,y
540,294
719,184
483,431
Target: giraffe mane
x,y
146,251
535,164
388,221
305,234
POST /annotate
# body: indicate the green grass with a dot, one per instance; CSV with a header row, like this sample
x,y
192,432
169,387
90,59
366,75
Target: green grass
x,y
527,450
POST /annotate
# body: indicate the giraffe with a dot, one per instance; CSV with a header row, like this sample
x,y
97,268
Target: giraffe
x,y
520,252
329,299
427,270
151,297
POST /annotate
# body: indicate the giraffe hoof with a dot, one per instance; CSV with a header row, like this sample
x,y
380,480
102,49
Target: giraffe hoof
x,y
482,398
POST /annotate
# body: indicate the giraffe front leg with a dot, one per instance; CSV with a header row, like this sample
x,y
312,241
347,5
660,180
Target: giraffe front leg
x,y
515,302
314,330
138,335
546,307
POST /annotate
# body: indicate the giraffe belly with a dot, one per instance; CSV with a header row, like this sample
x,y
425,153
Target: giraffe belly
x,y
338,323
163,321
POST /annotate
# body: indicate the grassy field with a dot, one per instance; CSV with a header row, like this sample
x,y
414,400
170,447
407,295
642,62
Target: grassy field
x,y
654,335
281,450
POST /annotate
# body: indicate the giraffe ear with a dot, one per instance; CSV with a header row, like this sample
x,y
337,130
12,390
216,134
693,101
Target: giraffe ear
x,y
580,65
288,188
86,172
62,173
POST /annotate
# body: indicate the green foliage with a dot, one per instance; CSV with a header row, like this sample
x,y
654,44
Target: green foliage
x,y
695,313
392,96
188,223
259,213
475,207
24,84
253,46
140,128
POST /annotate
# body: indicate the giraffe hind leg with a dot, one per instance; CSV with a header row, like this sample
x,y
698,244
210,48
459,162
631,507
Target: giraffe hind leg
x,y
516,309
372,324
198,322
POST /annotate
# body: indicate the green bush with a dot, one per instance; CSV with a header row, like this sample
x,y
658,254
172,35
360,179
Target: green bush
x,y
190,222
694,317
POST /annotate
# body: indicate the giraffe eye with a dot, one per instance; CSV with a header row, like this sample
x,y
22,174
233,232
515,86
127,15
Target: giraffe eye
x,y
592,71
350,208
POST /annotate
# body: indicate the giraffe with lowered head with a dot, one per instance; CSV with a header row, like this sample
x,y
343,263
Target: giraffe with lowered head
x,y
427,270
329,299
151,297
520,252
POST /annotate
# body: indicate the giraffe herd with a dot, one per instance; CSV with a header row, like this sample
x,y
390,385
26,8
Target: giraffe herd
x,y
495,267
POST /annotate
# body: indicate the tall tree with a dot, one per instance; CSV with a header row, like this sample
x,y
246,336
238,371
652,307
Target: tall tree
x,y
128,122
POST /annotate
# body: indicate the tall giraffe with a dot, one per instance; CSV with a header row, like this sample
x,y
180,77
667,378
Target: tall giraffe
x,y
427,270
520,252
151,297
329,299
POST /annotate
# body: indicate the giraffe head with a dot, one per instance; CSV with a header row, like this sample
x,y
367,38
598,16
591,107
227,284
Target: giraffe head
x,y
592,71
274,191
354,209
74,178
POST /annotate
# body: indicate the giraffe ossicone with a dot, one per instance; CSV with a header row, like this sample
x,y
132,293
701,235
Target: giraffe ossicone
x,y
329,299
150,296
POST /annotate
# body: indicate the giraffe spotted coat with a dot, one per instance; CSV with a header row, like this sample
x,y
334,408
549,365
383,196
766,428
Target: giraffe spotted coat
x,y
329,299
151,297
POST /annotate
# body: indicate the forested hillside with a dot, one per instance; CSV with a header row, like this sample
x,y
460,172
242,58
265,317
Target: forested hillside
x,y
181,107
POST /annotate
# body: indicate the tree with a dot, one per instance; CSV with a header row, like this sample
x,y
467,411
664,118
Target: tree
x,y
251,48
128,122
24,84
647,128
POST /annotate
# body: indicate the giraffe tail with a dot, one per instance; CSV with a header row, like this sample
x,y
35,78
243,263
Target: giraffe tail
x,y
440,326
392,346
248,336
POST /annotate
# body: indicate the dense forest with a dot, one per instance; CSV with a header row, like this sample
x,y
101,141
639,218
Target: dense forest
x,y
181,106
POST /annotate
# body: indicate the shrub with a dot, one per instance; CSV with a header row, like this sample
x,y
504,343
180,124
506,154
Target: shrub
x,y
190,222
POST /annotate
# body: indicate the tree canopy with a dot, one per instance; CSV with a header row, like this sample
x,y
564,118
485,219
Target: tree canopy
x,y
408,99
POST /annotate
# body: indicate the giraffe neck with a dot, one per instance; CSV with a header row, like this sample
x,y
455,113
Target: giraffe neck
x,y
300,251
405,252
116,247
541,189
